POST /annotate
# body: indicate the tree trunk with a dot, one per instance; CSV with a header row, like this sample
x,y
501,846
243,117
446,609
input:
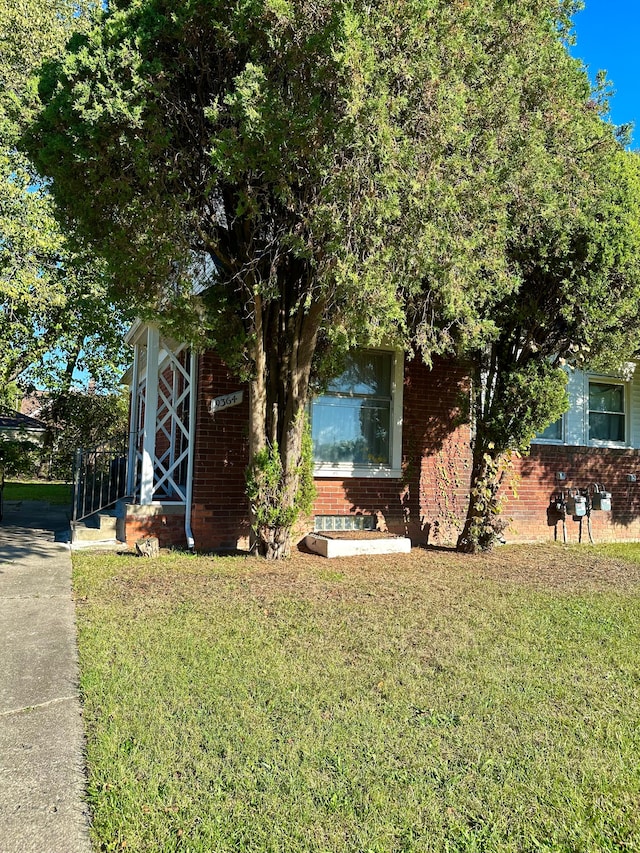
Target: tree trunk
x,y
483,524
273,540
277,422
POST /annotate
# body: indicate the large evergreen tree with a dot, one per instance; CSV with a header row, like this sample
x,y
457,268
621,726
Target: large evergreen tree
x,y
337,163
277,138
561,283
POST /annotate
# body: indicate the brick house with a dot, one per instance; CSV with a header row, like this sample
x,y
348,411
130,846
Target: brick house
x,y
389,443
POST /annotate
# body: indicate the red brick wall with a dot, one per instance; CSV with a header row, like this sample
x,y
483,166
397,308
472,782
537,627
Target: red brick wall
x,y
429,502
168,527
219,515
537,482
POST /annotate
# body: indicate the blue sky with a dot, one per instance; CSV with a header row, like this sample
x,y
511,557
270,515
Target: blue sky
x,y
608,37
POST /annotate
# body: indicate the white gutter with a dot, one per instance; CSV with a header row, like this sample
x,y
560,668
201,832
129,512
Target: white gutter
x,y
192,442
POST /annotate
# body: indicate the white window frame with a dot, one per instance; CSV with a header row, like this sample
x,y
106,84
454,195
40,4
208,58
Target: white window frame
x,y
575,421
607,380
394,469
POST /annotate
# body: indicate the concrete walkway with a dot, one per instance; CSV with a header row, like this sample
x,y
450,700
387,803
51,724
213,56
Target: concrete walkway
x,y
42,775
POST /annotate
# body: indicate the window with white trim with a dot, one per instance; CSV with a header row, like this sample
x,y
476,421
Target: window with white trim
x,y
553,433
607,412
600,414
356,423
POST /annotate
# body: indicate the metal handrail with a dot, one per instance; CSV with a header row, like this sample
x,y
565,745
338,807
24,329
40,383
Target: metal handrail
x,y
99,479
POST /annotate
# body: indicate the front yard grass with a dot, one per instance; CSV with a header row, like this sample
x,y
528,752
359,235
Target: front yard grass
x,y
38,490
427,702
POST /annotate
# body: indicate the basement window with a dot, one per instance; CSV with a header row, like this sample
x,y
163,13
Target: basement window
x,y
344,522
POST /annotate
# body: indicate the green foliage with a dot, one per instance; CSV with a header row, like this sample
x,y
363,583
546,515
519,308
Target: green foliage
x,y
264,483
78,420
306,486
32,31
286,141
10,397
20,456
52,295
532,396
265,486
540,265
55,317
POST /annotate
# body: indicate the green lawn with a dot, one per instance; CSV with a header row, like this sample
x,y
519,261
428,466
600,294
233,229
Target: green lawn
x,y
38,490
428,702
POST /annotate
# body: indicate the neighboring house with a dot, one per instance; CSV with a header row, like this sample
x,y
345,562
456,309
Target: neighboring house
x,y
19,436
34,403
389,443
14,426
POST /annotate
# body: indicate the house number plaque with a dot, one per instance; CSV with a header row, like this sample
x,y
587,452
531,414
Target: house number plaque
x,y
225,402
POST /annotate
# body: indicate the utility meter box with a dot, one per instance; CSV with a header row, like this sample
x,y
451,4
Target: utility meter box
x,y
601,500
577,505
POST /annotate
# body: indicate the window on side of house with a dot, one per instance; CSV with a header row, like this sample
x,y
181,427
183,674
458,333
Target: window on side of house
x,y
355,423
607,412
553,433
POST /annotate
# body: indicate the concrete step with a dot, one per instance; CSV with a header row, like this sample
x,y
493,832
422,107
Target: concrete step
x,y
102,526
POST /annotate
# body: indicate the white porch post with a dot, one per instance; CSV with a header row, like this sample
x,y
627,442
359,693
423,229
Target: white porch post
x,y
133,423
150,417
193,408
174,405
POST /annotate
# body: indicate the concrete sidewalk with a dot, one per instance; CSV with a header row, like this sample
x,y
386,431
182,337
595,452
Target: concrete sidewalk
x,y
42,775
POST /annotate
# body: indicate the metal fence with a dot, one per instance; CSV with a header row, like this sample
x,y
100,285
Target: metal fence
x,y
100,479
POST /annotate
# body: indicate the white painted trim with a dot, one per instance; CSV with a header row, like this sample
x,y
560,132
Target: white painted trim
x,y
397,402
324,470
134,332
150,416
133,423
608,380
554,442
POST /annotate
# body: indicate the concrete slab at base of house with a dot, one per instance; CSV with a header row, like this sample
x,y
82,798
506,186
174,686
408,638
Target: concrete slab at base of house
x,y
100,545
327,547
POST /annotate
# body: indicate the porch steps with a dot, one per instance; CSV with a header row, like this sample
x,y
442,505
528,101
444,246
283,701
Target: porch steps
x,y
98,530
